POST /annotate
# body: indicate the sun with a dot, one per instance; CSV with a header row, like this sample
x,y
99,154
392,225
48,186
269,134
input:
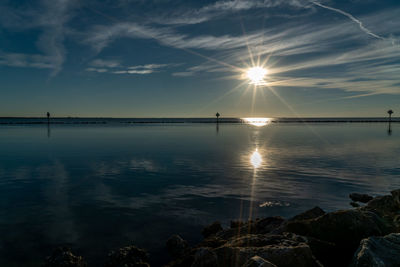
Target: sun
x,y
256,75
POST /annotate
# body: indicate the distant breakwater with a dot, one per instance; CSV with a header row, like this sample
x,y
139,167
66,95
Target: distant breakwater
x,y
38,121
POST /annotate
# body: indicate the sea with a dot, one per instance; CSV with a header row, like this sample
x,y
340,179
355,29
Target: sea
x,y
97,184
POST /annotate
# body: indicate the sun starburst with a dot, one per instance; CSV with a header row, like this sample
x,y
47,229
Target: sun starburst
x,y
256,75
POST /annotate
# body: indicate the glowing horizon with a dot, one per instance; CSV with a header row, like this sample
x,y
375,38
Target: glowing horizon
x,y
258,122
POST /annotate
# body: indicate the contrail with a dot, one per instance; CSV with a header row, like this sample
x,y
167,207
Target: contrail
x,y
350,17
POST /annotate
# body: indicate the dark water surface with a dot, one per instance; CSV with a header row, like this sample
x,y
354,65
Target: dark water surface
x,y
100,187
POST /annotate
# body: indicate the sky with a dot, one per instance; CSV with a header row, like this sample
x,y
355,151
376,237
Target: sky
x,y
186,58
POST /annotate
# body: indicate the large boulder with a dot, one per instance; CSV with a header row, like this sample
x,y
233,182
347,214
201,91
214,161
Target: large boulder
x,y
378,252
205,257
309,214
345,229
130,256
211,229
212,242
324,251
363,198
63,257
396,197
286,249
281,250
267,225
387,207
176,246
259,226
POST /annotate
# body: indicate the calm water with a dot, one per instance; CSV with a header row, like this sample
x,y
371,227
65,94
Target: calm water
x,y
99,187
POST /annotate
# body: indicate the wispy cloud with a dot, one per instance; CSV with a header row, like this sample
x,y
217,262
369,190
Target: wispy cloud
x,y
114,67
225,7
51,17
102,36
148,66
105,63
142,69
99,70
26,60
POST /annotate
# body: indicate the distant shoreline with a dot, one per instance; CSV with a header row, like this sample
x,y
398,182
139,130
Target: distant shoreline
x,y
89,120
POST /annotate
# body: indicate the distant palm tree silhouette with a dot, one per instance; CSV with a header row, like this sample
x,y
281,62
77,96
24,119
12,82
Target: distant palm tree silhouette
x,y
217,115
48,117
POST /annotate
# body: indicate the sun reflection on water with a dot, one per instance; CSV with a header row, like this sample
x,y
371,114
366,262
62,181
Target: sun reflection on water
x,y
257,121
256,159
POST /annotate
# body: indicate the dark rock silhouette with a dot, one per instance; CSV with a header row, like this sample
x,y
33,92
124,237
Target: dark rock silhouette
x,y
282,250
363,198
63,257
130,256
259,226
211,229
176,246
205,257
377,251
309,214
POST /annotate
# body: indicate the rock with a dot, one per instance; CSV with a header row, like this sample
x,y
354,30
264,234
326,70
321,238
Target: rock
x,y
63,257
378,251
385,207
363,198
309,214
237,224
266,225
212,242
259,226
323,251
185,261
396,197
283,250
176,246
354,204
344,228
257,261
130,256
272,250
205,257
278,249
212,229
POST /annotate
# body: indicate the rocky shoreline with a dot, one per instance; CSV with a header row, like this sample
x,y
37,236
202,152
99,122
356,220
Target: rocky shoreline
x,y
366,235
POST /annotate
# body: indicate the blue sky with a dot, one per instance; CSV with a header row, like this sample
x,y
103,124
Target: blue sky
x,y
163,58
